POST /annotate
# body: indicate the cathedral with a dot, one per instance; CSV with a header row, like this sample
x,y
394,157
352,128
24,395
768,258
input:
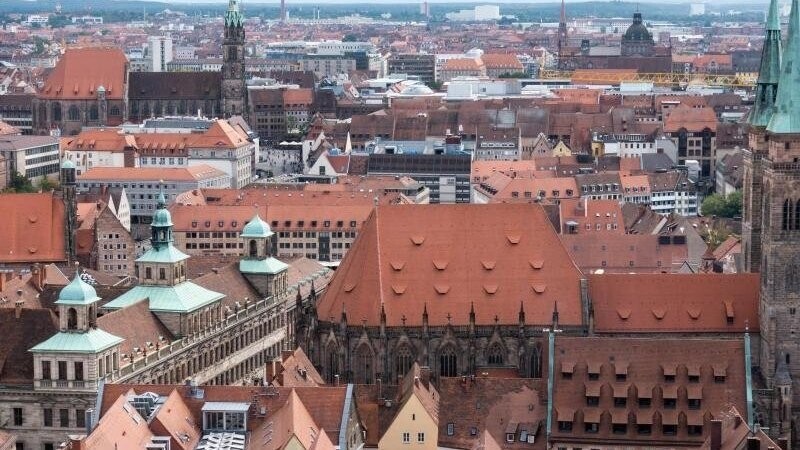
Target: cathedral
x,y
93,87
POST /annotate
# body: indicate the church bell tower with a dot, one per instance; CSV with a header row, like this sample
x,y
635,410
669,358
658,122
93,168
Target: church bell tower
x,y
234,89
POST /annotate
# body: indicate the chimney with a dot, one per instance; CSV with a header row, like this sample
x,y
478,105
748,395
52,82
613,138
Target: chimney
x,y
76,442
425,375
715,435
753,443
18,308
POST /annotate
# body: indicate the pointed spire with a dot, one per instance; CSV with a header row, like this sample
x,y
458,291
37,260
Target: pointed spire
x,y
521,312
162,200
769,71
555,315
786,119
563,12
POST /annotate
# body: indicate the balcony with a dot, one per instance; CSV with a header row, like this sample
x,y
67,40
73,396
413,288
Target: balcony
x,y
58,385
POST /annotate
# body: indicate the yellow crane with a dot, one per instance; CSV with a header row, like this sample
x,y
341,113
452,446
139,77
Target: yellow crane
x,y
599,76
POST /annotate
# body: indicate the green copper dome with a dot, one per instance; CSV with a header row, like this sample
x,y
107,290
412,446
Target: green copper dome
x,y
256,228
67,164
637,31
786,118
77,292
162,217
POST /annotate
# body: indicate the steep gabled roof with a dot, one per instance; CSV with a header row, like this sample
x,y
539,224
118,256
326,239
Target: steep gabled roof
x,y
33,229
446,258
81,71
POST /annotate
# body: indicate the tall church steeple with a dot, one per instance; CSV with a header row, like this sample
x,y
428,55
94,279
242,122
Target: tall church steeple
x,y
769,71
786,118
562,30
758,119
234,89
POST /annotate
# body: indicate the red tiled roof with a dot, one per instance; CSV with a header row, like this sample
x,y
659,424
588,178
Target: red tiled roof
x,y
119,427
448,257
33,230
501,61
137,325
709,303
80,71
690,118
191,173
645,363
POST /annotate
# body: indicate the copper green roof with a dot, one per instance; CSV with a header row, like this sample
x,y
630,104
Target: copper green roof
x,y
234,17
92,341
183,297
256,228
786,119
67,164
77,292
269,266
769,71
168,254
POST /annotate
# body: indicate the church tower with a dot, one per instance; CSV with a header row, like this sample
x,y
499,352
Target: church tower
x,y
67,179
234,89
562,32
757,121
780,229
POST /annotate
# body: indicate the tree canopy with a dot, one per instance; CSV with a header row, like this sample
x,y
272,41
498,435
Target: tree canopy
x,y
723,206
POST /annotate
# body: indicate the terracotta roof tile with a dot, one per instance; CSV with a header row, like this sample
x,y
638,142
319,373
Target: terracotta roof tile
x,y
722,303
80,71
419,234
33,230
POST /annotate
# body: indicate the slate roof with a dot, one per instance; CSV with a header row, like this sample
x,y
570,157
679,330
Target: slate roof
x,y
33,326
175,86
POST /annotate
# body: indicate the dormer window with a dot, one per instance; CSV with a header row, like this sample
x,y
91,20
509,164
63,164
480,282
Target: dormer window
x,y
225,416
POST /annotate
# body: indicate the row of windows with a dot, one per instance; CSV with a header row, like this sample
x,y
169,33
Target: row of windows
x,y
622,428
162,161
407,438
48,416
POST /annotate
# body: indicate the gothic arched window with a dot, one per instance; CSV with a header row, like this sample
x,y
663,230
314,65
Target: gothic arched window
x,y
495,355
796,216
93,114
448,362
72,319
404,358
364,365
786,214
73,113
536,363
332,362
57,112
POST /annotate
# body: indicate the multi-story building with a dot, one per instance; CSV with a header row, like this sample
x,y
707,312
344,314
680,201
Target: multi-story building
x,y
694,131
419,65
173,142
327,66
15,110
143,184
34,157
160,52
220,328
447,175
275,112
462,67
498,144
673,192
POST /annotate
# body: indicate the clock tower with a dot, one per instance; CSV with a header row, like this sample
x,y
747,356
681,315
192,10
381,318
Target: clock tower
x,y
234,90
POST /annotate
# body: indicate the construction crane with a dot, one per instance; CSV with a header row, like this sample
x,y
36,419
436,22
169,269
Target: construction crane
x,y
599,76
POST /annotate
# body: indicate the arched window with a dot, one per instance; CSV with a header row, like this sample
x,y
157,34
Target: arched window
x,y
73,113
253,248
57,112
796,216
364,365
72,319
404,358
93,114
332,363
42,113
495,355
785,217
536,363
448,362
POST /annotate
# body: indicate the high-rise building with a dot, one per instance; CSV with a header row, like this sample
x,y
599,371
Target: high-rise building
x,y
234,91
160,52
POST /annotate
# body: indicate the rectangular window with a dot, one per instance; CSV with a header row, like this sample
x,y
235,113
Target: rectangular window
x,y
80,418
162,273
18,418
406,438
79,370
46,372
47,416
451,429
62,370
63,418
420,437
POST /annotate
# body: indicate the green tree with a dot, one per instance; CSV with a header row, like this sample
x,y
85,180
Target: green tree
x,y
47,185
21,183
722,206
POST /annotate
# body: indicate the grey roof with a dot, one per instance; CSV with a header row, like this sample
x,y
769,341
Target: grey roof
x,y
12,142
655,161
